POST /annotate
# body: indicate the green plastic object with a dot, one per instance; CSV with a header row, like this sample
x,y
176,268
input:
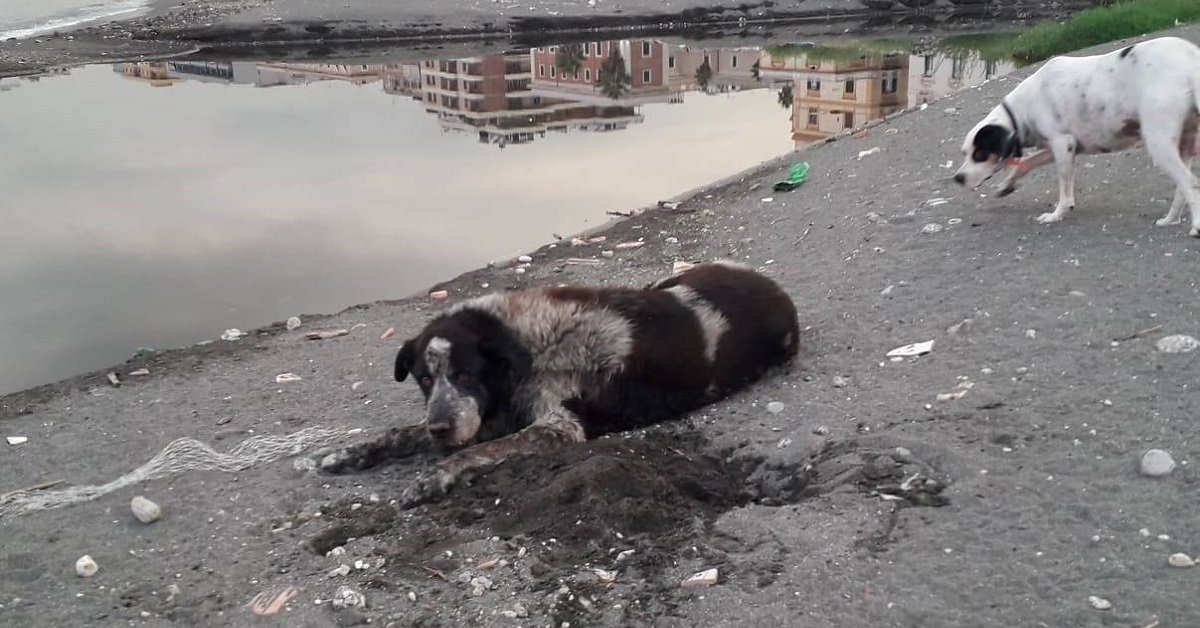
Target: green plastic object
x,y
796,175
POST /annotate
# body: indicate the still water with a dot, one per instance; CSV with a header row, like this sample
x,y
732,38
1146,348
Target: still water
x,y
157,204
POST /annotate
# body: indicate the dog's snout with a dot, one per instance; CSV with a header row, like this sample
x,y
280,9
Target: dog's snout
x,y
439,428
960,178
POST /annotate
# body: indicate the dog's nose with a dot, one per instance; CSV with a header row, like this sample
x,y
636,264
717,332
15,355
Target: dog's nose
x,y
960,178
438,429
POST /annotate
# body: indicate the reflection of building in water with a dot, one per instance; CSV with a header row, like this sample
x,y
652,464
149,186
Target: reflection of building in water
x,y
830,96
936,74
490,95
243,72
729,69
270,74
644,62
154,73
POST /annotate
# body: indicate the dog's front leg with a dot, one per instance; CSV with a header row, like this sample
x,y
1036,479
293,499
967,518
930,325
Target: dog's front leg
x,y
557,431
395,443
1063,149
1022,168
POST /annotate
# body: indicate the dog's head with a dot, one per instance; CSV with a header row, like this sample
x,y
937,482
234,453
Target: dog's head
x,y
987,149
468,365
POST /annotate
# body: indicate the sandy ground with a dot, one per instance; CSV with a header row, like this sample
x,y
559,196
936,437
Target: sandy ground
x,y
323,29
1042,505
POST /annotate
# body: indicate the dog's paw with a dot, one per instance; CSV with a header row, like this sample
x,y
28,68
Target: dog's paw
x,y
1167,221
340,461
1194,232
427,487
1005,191
1049,217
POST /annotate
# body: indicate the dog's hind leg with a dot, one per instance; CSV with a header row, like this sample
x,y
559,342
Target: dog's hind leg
x,y
1163,146
395,443
1063,148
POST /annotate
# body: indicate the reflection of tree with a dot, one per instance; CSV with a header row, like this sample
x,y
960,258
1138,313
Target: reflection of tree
x,y
568,59
612,77
786,96
755,70
704,74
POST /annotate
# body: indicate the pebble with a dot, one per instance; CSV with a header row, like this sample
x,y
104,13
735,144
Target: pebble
x,y
679,267
16,440
775,407
342,570
480,585
86,567
293,323
233,334
932,227
438,295
821,430
348,598
783,443
337,551
1177,344
605,576
145,510
304,465
1099,603
519,270
1181,560
1157,463
284,378
840,382
524,259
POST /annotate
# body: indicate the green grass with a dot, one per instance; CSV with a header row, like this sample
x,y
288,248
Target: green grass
x,y
1101,25
847,49
989,46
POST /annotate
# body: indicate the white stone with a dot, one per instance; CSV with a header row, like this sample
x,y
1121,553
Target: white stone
x,y
1157,463
16,440
145,510
775,407
700,579
1099,603
86,567
480,585
932,227
524,259
1177,344
1181,560
293,323
348,598
342,570
232,334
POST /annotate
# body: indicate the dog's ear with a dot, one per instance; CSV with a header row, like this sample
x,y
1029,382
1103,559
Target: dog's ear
x,y
405,359
997,140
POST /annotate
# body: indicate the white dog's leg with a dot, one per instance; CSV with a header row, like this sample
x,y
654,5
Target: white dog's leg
x,y
1163,146
1063,149
1022,168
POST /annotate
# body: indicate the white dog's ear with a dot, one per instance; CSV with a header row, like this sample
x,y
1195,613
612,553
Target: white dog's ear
x,y
997,140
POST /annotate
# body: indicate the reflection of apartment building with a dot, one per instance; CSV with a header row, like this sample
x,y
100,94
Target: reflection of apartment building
x,y
403,79
243,72
271,74
644,62
153,73
937,74
732,69
830,96
492,97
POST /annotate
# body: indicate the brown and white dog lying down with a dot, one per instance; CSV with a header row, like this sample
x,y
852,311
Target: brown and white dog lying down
x,y
520,372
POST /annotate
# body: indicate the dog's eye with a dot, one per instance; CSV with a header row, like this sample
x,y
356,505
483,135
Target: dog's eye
x,y
426,381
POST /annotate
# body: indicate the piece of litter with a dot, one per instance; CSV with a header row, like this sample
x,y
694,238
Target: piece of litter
x,y
326,335
868,152
582,261
488,564
293,323
932,227
679,267
1099,603
284,378
1178,343
391,331
139,372
1181,560
958,392
605,576
233,334
438,295
700,579
630,245
268,603
113,379
16,440
911,350
524,259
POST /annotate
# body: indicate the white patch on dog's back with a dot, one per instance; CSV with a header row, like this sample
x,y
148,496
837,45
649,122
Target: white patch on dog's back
x,y
713,324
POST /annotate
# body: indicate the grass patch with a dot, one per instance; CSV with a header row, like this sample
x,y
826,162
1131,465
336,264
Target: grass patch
x,y
846,50
989,46
1101,25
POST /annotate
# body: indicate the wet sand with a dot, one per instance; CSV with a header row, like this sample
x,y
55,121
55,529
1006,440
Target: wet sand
x,y
1043,505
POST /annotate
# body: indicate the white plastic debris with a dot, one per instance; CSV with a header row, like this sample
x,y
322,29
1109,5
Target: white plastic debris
x,y
145,510
348,598
285,378
605,576
700,579
293,323
86,567
233,334
524,259
912,350
1099,603
869,152
932,227
1178,343
679,267
16,440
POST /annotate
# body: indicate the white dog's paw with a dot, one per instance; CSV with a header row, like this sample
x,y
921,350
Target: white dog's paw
x,y
1167,221
1049,217
1194,232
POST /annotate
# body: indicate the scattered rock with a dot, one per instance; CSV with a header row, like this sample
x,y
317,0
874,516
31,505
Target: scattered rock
x,y
233,334
700,579
821,430
784,442
1099,603
114,380
606,253
86,567
519,271
285,378
335,552
1177,344
341,570
679,267
605,576
145,510
16,440
625,555
525,259
840,382
293,323
348,598
959,329
869,151
775,407
932,227
1181,560
1157,463
480,585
